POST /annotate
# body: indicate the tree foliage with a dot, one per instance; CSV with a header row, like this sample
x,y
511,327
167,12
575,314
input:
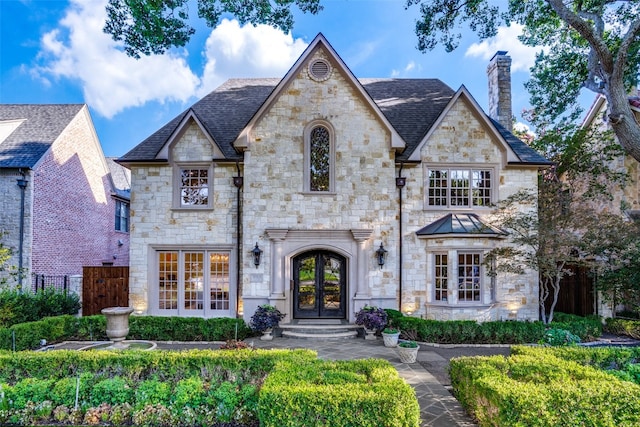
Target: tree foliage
x,y
592,44
567,221
154,26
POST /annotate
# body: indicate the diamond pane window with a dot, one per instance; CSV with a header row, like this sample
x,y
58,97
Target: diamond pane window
x,y
320,159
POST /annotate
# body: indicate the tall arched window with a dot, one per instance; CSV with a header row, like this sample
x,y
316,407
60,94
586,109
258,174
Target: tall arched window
x,y
319,158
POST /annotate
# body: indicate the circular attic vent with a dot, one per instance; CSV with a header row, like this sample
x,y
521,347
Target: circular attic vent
x,y
319,70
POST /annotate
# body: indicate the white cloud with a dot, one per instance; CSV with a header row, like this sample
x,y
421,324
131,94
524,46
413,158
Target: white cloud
x,y
110,80
234,51
411,66
522,57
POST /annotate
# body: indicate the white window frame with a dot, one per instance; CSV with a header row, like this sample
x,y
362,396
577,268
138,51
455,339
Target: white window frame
x,y
307,157
177,185
470,169
453,278
208,283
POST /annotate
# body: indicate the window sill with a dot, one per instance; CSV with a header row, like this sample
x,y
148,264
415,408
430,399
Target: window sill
x,y
458,305
318,193
205,208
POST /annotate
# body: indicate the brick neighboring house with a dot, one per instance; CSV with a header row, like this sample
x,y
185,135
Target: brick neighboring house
x,y
321,170
76,202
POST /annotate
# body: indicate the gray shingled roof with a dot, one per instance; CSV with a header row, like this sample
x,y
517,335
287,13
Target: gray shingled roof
x,y
460,224
42,125
121,178
411,105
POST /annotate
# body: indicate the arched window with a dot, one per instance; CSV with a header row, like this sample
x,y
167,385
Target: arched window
x,y
319,158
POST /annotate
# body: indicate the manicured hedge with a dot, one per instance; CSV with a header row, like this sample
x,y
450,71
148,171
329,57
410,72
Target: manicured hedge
x,y
337,394
509,332
201,387
27,336
533,387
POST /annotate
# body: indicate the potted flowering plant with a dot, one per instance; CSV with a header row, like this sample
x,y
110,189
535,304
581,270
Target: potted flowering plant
x,y
265,319
373,319
408,351
390,336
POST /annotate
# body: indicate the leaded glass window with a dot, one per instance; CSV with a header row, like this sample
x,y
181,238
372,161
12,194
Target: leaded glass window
x,y
320,159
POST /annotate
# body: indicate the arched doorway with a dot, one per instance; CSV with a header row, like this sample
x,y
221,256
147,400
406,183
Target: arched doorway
x,y
319,285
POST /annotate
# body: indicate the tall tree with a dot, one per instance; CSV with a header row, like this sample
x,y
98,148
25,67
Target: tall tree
x,y
591,44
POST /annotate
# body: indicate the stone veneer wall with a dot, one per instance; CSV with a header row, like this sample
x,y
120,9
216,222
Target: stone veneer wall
x,y
154,222
10,218
462,140
365,193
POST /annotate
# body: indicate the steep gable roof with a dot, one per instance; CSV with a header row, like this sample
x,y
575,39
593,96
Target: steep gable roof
x,y
41,125
409,107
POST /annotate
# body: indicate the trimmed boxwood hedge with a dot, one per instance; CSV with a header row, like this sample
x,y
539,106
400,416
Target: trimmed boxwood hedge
x,y
201,387
497,332
545,387
27,336
338,394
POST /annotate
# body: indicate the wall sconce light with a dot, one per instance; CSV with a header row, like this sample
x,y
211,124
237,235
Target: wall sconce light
x,y
256,252
381,253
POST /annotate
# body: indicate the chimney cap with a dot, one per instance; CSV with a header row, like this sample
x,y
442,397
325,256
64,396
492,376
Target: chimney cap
x,y
499,53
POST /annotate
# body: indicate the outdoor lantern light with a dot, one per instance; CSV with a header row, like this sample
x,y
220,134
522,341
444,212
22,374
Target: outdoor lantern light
x,y
381,253
256,252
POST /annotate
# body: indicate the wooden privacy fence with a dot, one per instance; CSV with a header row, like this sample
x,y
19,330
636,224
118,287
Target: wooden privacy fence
x,y
104,287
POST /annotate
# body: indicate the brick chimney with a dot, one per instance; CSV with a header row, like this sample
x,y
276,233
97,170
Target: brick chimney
x,y
499,76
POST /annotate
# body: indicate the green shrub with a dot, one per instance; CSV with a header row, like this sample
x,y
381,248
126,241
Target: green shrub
x,y
112,391
20,307
623,327
555,337
393,316
152,391
533,387
354,393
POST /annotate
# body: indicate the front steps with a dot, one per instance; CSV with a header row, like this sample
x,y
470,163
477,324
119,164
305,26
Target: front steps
x,y
319,329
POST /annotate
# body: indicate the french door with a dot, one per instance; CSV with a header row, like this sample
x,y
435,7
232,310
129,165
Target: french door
x,y
319,285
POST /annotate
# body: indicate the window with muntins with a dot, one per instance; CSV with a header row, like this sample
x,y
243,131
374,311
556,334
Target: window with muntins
x,y
319,159
194,187
441,277
459,187
194,282
469,277
122,216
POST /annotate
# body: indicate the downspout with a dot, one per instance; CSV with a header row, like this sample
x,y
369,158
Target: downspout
x,y
22,183
238,182
400,183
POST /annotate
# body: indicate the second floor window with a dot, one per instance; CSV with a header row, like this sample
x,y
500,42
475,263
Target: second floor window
x,y
464,188
122,216
194,184
320,159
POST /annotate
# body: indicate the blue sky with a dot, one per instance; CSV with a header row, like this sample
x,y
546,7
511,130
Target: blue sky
x,y
54,51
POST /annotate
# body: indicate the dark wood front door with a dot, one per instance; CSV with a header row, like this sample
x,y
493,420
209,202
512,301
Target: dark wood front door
x,y
319,285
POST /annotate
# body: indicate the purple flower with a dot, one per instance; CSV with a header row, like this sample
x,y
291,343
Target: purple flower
x,y
371,317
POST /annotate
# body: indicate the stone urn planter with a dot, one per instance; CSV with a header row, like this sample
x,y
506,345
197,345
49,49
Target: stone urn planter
x,y
267,335
390,337
117,324
408,351
370,334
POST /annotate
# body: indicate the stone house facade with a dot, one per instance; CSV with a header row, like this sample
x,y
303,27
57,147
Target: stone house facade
x,y
62,204
321,193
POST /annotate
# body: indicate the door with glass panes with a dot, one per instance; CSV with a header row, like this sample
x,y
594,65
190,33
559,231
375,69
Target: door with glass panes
x,y
319,285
